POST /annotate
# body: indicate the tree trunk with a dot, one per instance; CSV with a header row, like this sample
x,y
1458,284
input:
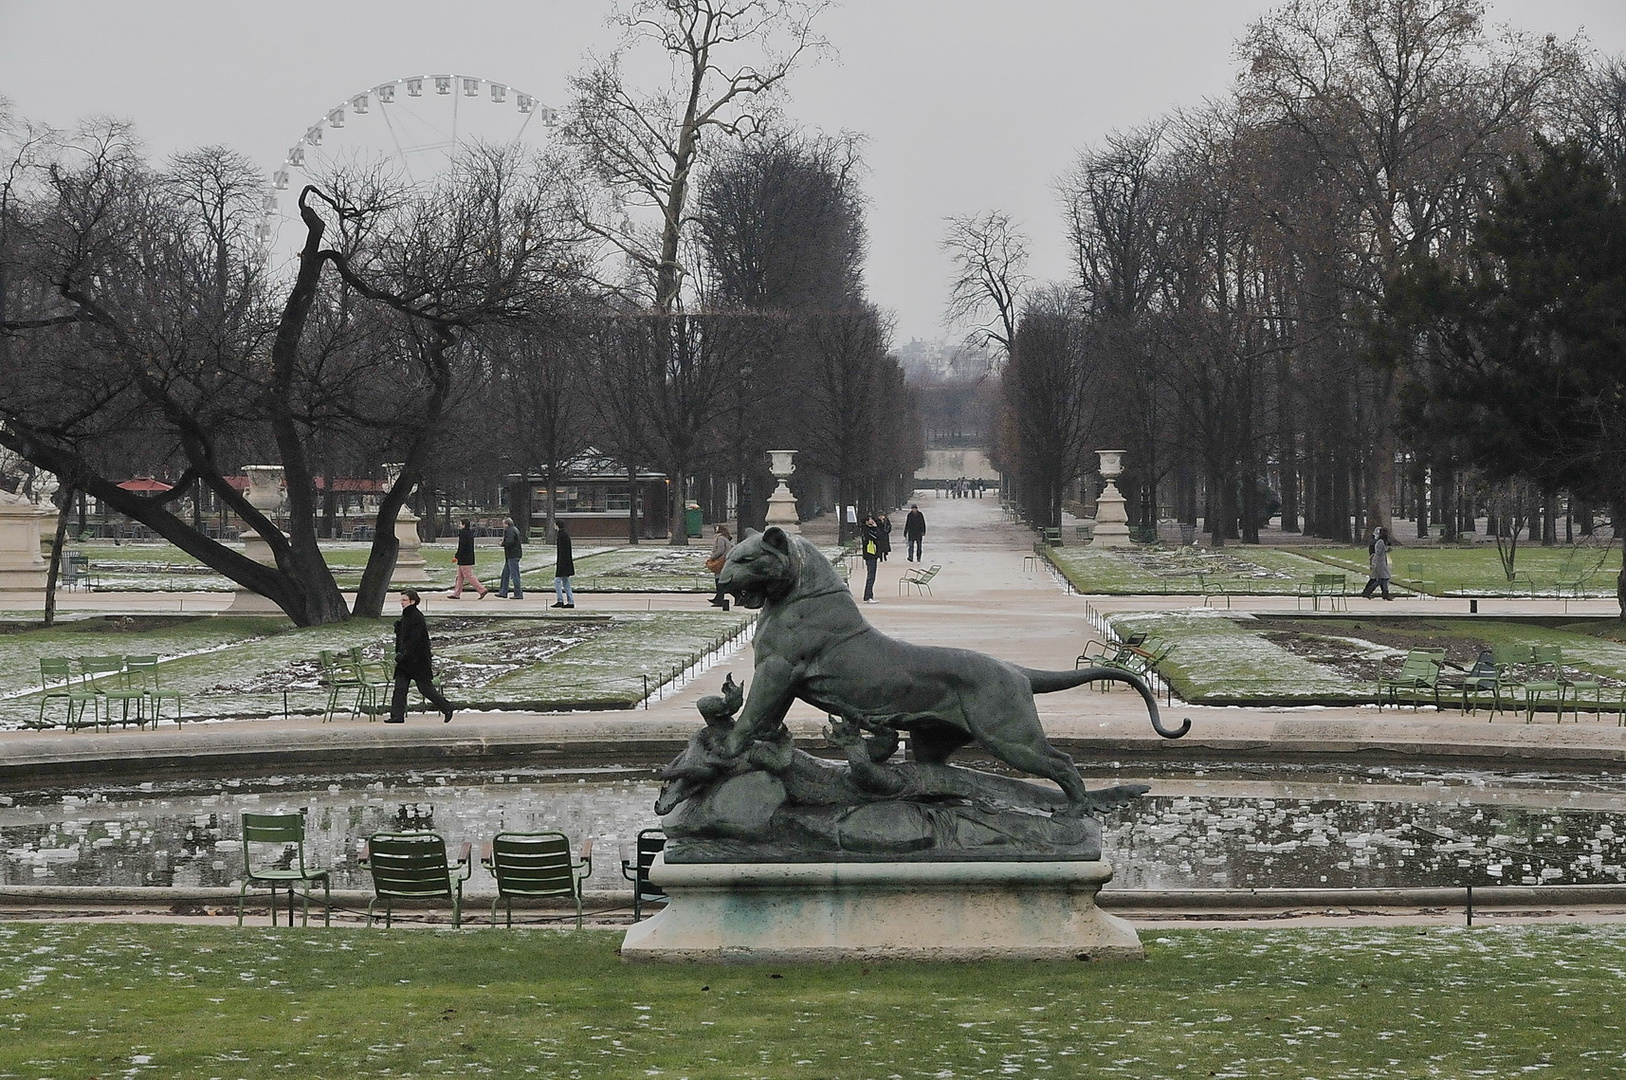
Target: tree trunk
x,y
55,571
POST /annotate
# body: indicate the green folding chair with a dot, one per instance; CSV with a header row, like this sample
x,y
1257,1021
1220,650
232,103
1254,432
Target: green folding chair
x,y
285,832
142,671
413,867
535,865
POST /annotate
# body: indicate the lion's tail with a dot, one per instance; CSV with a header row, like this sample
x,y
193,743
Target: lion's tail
x,y
1047,682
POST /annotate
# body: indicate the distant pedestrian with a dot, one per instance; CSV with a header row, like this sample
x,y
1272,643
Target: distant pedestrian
x,y
722,542
412,662
914,533
564,567
1377,564
465,564
870,547
512,548
883,535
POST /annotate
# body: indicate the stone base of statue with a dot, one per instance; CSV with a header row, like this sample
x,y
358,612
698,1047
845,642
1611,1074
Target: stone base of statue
x,y
1111,520
252,603
410,569
23,569
933,911
782,503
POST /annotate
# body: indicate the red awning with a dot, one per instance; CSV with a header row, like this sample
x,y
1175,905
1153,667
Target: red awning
x,y
145,483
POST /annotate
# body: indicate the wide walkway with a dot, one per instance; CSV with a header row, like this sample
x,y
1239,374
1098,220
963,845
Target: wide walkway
x,y
990,596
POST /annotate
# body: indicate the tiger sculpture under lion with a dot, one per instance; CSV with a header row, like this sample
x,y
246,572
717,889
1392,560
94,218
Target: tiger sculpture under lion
x,y
812,643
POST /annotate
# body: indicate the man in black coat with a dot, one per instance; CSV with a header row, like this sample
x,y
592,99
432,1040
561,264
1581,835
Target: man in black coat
x,y
564,567
412,661
914,532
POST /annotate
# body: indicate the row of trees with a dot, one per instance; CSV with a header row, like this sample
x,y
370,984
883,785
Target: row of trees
x,y
1235,269
523,308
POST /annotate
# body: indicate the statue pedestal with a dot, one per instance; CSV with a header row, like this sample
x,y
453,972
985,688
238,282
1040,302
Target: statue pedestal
x,y
410,569
782,504
22,568
252,603
934,911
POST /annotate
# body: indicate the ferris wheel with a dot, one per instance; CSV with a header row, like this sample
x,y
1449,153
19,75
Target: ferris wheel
x,y
415,125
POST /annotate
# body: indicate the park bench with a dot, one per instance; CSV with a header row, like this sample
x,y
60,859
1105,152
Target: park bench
x,y
1419,674
918,577
1333,588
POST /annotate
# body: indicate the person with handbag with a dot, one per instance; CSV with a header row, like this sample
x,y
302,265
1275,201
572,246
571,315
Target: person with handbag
x,y
722,542
869,541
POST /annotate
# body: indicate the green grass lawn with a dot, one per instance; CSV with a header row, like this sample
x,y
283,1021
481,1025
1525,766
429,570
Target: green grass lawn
x,y
1140,571
80,1000
1231,658
1583,570
226,666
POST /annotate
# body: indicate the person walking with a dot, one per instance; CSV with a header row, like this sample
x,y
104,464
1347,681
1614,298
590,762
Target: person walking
x,y
564,567
465,564
883,535
722,542
512,548
914,533
1377,564
412,662
869,545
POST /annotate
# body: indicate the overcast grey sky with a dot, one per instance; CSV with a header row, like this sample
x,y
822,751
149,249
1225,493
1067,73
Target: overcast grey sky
x,y
967,105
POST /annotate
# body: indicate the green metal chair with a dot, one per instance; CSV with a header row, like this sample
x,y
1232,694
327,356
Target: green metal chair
x,y
1584,691
56,684
1419,674
1537,691
535,865
649,844
142,671
341,677
414,867
1484,677
110,682
287,833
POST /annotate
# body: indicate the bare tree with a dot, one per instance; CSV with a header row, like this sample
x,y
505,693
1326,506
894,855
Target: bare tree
x,y
727,57
990,275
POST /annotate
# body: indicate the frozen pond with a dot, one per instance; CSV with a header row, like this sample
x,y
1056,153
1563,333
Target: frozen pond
x,y
1241,826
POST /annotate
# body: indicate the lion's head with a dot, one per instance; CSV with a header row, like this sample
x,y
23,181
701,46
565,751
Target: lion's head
x,y
762,567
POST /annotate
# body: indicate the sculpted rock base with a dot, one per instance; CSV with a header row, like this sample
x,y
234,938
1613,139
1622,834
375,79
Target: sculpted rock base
x,y
760,913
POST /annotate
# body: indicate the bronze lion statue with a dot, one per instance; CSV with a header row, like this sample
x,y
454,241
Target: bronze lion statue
x,y
812,643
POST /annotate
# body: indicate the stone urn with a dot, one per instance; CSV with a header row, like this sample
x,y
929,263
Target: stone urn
x,y
782,504
1111,519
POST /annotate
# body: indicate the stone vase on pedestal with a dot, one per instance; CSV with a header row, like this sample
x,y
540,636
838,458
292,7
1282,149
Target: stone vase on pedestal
x,y
1111,520
265,495
23,568
410,568
782,504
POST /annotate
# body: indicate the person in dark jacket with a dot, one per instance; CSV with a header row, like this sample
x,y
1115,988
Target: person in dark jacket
x,y
869,545
512,548
914,532
883,535
412,661
465,564
564,567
